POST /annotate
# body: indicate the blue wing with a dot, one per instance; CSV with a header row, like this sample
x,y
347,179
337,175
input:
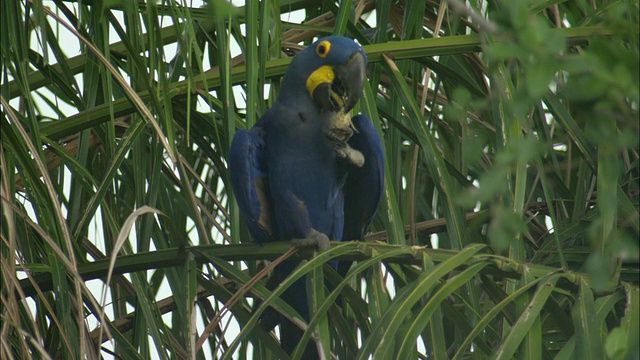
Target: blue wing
x,y
247,170
364,186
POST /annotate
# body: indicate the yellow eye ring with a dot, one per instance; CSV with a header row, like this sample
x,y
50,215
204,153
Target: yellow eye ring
x,y
322,49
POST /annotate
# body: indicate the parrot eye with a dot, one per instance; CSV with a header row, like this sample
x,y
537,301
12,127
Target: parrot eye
x,y
323,49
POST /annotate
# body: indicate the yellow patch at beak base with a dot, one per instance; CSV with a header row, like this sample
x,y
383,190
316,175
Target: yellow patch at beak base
x,y
322,75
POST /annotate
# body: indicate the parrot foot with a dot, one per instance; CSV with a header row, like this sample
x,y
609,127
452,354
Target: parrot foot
x,y
348,153
339,138
313,238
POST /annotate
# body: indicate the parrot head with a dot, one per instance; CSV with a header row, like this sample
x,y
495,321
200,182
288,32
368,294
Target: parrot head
x,y
332,71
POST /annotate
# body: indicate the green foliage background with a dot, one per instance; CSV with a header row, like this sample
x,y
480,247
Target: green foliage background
x,y
511,137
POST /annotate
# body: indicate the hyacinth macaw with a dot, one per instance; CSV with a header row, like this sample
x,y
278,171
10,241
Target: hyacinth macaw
x,y
307,171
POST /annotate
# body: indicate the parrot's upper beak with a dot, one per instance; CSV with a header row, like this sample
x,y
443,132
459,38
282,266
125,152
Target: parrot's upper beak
x,y
342,88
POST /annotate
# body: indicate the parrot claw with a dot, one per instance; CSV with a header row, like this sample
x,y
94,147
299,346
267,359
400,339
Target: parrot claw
x,y
339,139
353,156
313,238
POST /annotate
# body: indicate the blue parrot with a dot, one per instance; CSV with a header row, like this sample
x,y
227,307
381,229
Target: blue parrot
x,y
307,171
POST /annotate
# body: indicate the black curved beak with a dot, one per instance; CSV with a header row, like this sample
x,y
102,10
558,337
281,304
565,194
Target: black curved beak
x,y
346,89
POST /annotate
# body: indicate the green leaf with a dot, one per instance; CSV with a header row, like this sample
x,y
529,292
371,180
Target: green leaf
x,y
588,340
616,344
520,329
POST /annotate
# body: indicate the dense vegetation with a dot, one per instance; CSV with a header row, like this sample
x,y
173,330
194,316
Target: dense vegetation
x,y
509,225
